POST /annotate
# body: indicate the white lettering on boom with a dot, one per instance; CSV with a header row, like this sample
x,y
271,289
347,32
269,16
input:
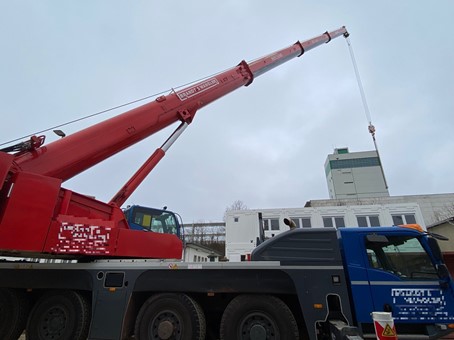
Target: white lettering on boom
x,y
196,89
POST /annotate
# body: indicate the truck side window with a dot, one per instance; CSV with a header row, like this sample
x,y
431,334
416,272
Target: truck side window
x,y
156,220
373,259
165,223
402,256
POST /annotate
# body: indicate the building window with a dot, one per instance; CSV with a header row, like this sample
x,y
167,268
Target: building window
x,y
333,221
270,224
374,221
362,221
296,220
265,225
404,219
342,151
302,222
368,221
339,222
328,222
354,163
274,224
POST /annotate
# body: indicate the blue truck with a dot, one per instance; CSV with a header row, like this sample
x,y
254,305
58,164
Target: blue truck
x,y
319,283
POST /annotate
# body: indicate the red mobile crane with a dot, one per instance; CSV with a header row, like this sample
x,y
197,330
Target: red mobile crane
x,y
39,216
305,283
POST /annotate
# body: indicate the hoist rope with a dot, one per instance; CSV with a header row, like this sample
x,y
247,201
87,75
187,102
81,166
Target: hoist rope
x,y
78,119
366,107
360,84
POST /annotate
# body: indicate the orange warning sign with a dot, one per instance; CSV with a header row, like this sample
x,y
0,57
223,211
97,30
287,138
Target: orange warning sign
x,y
385,331
388,331
384,326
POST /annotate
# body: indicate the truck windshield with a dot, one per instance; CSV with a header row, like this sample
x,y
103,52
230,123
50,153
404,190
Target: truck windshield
x,y
402,256
158,221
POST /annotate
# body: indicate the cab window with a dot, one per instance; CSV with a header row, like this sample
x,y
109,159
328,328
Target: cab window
x,y
402,256
158,221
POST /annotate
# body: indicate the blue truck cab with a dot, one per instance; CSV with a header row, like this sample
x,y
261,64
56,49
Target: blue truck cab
x,y
400,270
343,275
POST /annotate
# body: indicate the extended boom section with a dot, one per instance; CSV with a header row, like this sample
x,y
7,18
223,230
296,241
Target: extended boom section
x,y
38,216
69,156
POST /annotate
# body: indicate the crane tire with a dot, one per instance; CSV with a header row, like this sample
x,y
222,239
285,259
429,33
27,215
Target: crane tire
x,y
14,308
258,317
170,316
59,314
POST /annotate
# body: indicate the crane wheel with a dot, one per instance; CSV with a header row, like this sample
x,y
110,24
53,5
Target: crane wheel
x,y
258,317
14,308
60,314
170,316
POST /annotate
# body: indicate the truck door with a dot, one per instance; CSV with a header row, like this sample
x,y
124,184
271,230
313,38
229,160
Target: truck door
x,y
403,280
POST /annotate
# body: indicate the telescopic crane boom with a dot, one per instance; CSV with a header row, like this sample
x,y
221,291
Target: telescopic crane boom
x,y
37,215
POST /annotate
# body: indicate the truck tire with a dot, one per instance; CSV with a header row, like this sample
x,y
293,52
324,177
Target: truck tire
x,y
59,315
258,317
14,308
170,316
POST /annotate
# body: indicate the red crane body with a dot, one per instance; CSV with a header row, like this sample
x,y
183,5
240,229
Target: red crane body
x,y
38,216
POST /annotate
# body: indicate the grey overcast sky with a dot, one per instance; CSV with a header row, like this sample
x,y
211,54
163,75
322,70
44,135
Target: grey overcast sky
x,y
265,144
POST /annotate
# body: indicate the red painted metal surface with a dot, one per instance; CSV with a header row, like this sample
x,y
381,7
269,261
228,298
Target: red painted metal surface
x,y
28,212
38,216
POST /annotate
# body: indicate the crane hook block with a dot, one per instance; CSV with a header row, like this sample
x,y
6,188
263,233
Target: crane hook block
x,y
372,129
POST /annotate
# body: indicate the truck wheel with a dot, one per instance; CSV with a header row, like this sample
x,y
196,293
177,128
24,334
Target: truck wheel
x,y
170,316
258,317
14,308
59,315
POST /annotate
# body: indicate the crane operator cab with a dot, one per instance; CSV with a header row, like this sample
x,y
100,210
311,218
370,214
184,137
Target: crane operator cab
x,y
154,220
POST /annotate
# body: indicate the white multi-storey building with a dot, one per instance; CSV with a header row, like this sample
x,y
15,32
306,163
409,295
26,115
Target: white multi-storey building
x,y
359,198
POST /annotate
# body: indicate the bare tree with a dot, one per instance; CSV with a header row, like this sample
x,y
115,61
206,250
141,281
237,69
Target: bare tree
x,y
236,205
